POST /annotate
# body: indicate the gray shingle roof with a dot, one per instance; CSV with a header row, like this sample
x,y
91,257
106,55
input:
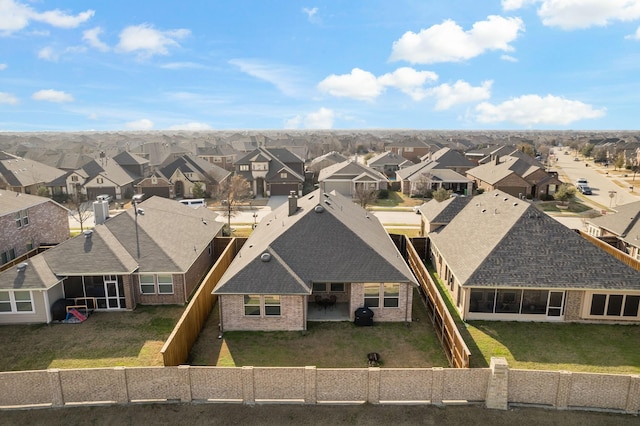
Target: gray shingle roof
x,y
342,243
36,275
500,241
621,222
11,202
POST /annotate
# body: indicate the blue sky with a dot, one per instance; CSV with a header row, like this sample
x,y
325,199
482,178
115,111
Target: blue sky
x,y
331,64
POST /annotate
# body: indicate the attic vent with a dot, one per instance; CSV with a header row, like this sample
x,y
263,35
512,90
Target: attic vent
x,y
506,199
88,233
515,204
327,202
483,210
310,197
496,194
21,266
265,257
318,209
325,194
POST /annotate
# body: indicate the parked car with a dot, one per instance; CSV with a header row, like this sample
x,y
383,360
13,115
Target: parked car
x,y
584,189
582,181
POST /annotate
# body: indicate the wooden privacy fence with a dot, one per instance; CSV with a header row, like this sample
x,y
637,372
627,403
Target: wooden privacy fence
x,y
455,347
175,350
621,256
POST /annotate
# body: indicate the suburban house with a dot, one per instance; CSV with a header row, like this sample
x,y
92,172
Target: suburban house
x,y
620,229
388,163
223,155
188,170
411,149
503,259
155,254
349,178
325,160
156,184
132,163
105,176
27,222
66,161
272,171
516,174
316,257
488,153
19,174
445,168
438,214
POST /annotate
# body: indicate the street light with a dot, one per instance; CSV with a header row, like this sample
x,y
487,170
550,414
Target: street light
x,y
137,211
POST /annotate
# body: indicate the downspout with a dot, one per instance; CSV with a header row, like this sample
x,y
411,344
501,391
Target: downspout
x,y
47,307
406,304
220,328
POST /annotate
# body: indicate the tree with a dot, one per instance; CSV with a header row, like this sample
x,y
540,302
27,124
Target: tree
x,y
527,148
565,192
619,161
198,190
364,195
80,209
231,192
587,150
441,194
600,154
42,191
423,184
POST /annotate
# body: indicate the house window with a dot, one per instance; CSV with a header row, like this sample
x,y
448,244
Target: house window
x,y
615,305
154,180
409,149
100,180
372,295
8,255
256,305
22,218
319,287
165,284
333,287
244,167
217,160
391,295
16,301
251,305
337,287
283,175
147,284
74,178
29,245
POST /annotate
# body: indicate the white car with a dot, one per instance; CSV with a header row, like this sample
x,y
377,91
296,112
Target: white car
x,y
104,197
582,181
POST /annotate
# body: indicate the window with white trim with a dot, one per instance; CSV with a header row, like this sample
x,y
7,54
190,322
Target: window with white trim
x,y
391,295
388,293
244,167
22,218
16,301
100,180
372,295
147,284
165,284
256,305
283,175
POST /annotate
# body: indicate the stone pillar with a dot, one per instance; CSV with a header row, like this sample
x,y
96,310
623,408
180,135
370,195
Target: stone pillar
x,y
310,385
437,386
123,388
633,397
57,398
373,386
248,393
184,378
498,390
564,388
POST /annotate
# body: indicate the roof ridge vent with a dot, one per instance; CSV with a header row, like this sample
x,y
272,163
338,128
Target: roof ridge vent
x,y
265,257
21,266
88,233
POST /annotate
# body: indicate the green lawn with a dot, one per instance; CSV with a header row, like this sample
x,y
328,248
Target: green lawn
x,y
105,339
324,344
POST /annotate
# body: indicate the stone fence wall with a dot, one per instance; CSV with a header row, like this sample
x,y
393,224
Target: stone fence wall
x,y
495,387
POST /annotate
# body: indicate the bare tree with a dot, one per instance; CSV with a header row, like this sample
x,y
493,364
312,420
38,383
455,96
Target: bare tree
x,y
80,209
423,184
231,192
364,196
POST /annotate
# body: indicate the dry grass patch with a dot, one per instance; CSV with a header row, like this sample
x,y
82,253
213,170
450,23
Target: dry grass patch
x,y
324,344
105,339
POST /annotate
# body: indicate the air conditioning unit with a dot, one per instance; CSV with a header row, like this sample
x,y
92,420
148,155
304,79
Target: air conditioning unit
x,y
100,211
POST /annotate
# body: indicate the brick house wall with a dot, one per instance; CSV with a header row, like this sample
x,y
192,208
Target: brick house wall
x,y
177,298
48,224
199,269
401,313
292,318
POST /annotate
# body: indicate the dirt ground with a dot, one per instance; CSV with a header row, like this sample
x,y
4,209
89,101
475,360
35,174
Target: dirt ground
x,y
226,414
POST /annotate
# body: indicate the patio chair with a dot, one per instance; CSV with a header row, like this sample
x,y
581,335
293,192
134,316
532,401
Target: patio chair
x,y
332,301
319,301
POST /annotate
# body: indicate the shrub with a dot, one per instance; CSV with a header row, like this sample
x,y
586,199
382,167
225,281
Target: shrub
x,y
383,194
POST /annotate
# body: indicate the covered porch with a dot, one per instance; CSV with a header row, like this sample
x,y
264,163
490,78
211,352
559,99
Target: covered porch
x,y
329,302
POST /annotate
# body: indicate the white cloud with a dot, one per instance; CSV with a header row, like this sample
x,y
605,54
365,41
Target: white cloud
x,y
530,110
15,16
182,65
143,124
460,92
48,54
148,41
51,95
358,84
92,37
634,36
409,81
321,119
3,67
508,58
311,13
572,14
190,126
8,98
448,42
280,76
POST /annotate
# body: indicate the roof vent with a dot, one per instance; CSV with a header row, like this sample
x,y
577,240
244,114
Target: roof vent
x,y
265,257
484,210
506,199
515,204
318,209
88,233
327,202
21,266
